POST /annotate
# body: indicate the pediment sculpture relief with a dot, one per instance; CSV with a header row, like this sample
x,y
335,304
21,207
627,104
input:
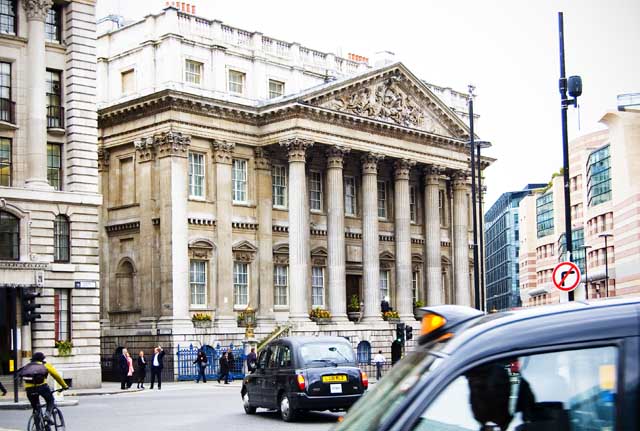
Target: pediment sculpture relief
x,y
387,102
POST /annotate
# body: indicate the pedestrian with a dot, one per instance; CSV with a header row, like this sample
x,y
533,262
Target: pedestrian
x,y
123,367
3,389
252,360
384,305
156,366
142,369
379,360
231,363
129,370
201,362
224,368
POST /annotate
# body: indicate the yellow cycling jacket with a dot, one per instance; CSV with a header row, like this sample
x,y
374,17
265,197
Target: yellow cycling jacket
x,y
54,374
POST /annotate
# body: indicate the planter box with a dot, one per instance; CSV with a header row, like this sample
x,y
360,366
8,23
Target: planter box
x,y
202,323
353,315
393,320
321,320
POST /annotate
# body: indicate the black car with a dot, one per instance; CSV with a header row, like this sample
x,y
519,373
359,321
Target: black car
x,y
295,374
573,366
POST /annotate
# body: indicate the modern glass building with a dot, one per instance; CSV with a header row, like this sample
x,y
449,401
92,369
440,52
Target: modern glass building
x,y
502,239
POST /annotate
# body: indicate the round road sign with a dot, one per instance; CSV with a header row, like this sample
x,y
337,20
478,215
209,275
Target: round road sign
x,y
566,276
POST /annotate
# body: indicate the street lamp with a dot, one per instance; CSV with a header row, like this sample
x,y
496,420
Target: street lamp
x,y
606,263
472,151
586,270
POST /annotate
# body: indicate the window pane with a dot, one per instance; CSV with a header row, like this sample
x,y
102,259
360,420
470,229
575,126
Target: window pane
x,y
198,282
382,199
276,88
61,239
413,214
279,183
196,174
54,167
315,191
239,180
280,284
350,202
9,236
240,283
7,16
62,316
5,162
236,82
52,25
193,72
544,214
317,286
384,284
5,93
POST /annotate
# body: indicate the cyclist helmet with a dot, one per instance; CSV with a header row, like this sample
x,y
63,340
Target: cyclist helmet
x,y
38,357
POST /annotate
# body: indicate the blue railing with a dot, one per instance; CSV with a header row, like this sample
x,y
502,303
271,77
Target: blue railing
x,y
187,370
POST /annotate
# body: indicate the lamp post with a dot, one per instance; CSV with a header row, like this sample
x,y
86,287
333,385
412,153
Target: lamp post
x,y
586,270
479,145
606,263
472,151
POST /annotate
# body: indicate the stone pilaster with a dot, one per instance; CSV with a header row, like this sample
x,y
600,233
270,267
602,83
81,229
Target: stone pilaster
x,y
335,233
299,252
433,264
103,175
171,148
402,218
36,12
462,292
370,239
223,158
265,238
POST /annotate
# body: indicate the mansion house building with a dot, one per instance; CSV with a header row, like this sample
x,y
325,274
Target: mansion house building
x,y
241,170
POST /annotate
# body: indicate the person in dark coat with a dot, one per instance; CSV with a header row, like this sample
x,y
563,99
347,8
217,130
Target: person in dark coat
x,y
3,389
231,363
157,366
201,362
123,367
142,369
224,368
252,360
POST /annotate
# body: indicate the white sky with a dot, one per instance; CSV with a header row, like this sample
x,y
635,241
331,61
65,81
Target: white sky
x,y
508,49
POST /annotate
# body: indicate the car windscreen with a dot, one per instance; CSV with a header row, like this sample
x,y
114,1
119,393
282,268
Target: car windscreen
x,y
389,393
326,354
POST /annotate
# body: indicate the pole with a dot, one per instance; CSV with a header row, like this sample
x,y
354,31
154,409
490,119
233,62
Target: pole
x,y
586,273
481,232
14,340
476,281
565,146
606,269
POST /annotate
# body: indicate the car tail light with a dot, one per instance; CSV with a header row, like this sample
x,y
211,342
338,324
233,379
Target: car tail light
x,y
301,382
365,379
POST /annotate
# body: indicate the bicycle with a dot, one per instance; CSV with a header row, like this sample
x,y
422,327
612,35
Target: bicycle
x,y
39,422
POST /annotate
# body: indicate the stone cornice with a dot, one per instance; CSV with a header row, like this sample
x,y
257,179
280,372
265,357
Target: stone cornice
x,y
36,10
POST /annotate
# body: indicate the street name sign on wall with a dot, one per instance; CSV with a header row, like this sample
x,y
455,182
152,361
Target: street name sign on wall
x,y
566,276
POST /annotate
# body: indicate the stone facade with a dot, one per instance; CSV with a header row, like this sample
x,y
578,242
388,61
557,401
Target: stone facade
x,y
49,182
214,202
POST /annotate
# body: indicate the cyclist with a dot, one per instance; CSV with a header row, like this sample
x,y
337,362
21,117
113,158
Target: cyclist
x,y
34,375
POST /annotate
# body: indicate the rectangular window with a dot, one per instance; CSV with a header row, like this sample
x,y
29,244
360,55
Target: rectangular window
x,y
193,72
382,199
280,283
350,199
240,283
128,82
315,191
279,185
196,175
54,166
384,284
61,239
198,282
5,162
236,82
317,286
413,208
55,112
239,180
415,284
53,24
441,207
8,19
6,105
544,215
599,176
62,314
276,88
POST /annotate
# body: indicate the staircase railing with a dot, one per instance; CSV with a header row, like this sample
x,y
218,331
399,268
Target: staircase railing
x,y
278,332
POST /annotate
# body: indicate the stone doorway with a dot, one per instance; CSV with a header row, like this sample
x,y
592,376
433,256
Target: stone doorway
x,y
354,287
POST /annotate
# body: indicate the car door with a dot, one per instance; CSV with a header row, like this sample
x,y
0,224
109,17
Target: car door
x,y
269,390
256,379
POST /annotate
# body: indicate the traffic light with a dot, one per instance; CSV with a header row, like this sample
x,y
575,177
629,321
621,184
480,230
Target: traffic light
x,y
408,332
400,333
29,307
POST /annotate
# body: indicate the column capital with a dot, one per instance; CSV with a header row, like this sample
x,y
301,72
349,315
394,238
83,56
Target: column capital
x,y
222,151
402,168
370,163
459,179
432,174
262,160
145,149
103,159
37,10
172,144
297,148
335,156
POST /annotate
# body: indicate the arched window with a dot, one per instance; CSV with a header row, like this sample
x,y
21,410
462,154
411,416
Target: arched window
x,y
61,242
364,352
9,236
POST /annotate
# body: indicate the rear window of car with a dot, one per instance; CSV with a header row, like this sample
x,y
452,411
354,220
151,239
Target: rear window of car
x,y
326,354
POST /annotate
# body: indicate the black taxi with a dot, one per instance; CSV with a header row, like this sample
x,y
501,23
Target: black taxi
x,y
572,366
297,374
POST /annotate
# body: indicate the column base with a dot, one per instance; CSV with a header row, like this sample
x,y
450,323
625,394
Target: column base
x,y
38,184
339,318
371,319
407,317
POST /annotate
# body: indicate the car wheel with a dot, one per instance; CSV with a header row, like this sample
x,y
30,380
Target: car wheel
x,y
287,413
248,408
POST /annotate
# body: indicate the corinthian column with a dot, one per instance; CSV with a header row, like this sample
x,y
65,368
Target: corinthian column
x,y
432,235
36,12
461,239
335,234
402,220
265,238
299,252
370,239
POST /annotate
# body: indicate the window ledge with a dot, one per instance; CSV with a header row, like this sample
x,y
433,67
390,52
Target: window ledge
x,y
121,207
200,308
5,125
62,267
280,308
246,204
199,199
58,131
280,208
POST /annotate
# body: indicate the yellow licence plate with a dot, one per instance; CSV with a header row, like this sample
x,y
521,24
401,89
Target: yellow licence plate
x,y
332,379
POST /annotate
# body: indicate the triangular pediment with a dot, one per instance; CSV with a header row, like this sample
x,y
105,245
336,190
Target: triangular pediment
x,y
393,95
244,246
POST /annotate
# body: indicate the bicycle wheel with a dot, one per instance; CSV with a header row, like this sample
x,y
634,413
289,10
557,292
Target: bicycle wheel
x,y
31,425
57,419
